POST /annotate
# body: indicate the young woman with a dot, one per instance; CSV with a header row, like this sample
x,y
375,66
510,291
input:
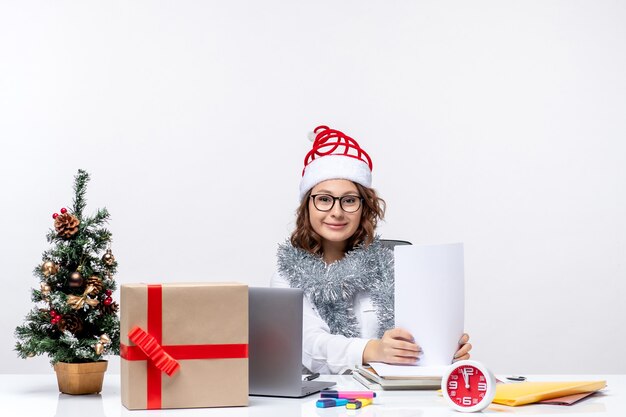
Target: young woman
x,y
345,272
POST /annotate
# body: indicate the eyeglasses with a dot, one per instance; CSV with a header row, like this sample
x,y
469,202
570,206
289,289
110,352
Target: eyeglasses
x,y
326,202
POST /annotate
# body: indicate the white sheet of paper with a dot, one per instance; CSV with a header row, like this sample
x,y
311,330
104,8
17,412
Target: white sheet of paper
x,y
430,298
384,369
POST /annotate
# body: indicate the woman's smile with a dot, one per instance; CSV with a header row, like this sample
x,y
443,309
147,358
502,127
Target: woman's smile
x,y
335,226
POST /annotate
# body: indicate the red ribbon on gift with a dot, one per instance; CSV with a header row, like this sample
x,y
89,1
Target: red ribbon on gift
x,y
163,358
153,350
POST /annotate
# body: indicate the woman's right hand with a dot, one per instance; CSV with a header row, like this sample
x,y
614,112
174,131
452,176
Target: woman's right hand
x,y
396,347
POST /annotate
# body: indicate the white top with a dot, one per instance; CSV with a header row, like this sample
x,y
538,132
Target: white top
x,y
329,353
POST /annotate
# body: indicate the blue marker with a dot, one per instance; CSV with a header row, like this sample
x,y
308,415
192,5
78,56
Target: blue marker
x,y
330,402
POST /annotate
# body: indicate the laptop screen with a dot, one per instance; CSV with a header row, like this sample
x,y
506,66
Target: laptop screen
x,y
275,341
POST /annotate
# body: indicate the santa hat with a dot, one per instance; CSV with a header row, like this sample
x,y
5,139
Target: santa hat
x,y
334,155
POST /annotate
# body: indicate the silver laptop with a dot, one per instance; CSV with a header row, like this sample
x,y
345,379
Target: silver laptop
x,y
275,344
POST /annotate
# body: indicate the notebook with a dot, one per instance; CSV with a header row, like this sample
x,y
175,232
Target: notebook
x,y
275,344
368,376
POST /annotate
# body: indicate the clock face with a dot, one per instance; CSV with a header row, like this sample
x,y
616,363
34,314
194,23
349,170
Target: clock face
x,y
468,386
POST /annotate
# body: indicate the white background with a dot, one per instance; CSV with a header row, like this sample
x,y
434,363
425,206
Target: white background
x,y
500,124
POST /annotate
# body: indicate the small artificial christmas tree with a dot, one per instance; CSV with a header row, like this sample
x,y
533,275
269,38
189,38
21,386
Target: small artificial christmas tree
x,y
75,320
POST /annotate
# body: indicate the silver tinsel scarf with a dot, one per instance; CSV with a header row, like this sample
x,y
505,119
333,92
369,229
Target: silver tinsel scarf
x,y
331,288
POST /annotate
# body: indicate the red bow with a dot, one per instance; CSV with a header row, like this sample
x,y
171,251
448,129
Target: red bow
x,y
153,350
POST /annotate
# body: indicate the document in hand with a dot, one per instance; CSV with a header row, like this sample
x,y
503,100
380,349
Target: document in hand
x,y
532,392
429,298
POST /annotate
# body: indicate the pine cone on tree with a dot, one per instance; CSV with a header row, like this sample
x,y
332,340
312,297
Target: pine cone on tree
x,y
109,309
96,282
71,322
66,225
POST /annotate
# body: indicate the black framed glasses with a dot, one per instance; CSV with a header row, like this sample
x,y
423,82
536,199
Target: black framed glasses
x,y
326,202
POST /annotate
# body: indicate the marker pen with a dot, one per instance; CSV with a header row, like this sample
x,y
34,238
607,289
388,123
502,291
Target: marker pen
x,y
330,402
358,403
347,394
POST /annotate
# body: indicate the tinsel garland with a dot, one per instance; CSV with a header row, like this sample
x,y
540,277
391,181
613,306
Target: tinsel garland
x,y
332,288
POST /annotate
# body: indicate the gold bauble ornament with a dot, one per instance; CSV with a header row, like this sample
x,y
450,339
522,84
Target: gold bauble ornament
x,y
76,280
96,282
108,258
99,348
45,289
105,339
49,268
30,355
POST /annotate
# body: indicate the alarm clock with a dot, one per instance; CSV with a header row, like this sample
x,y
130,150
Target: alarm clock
x,y
468,386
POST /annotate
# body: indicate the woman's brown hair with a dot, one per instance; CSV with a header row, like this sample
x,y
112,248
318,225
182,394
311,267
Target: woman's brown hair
x,y
372,210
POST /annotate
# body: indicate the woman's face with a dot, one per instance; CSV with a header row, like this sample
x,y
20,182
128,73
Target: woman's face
x,y
335,225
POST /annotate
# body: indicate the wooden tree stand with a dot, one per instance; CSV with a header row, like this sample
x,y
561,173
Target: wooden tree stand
x,y
80,378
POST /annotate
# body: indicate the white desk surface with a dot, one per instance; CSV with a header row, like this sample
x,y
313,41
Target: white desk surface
x,y
37,395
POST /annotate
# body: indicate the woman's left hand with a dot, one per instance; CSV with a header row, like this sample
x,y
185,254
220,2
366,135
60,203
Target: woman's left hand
x,y
464,348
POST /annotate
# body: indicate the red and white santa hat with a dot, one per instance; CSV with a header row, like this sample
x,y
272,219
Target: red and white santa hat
x,y
334,155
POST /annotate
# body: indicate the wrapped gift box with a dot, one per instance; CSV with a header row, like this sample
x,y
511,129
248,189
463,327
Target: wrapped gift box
x,y
197,333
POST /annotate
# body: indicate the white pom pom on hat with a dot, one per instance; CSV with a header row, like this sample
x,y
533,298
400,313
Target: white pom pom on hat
x,y
334,155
